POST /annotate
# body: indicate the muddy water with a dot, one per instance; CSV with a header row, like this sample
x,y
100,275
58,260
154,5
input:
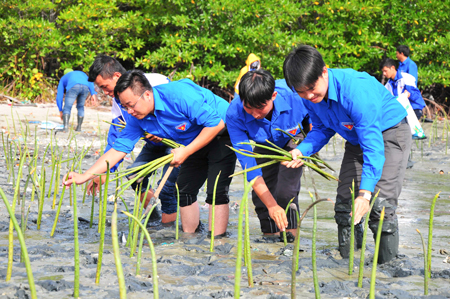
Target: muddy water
x,y
187,269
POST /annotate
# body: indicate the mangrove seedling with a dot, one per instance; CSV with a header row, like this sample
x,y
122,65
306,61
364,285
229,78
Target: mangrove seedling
x,y
430,233
213,213
375,257
425,265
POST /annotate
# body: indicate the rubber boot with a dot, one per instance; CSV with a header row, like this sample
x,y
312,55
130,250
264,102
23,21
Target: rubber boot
x,y
80,121
66,118
388,247
344,240
359,233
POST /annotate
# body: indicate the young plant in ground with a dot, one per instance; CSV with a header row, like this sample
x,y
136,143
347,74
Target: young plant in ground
x,y
103,225
237,274
284,232
58,211
213,213
76,279
116,250
297,245
248,252
430,233
11,221
314,253
352,232
425,265
363,246
375,257
152,249
22,245
178,212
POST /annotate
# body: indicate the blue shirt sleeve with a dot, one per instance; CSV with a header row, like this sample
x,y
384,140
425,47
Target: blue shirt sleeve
x,y
317,138
91,88
60,92
366,116
235,127
129,136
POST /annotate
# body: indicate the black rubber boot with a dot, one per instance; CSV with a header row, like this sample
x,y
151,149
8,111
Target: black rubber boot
x,y
80,121
388,247
344,240
359,233
66,118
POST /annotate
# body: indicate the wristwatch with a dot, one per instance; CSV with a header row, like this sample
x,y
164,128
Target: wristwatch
x,y
366,195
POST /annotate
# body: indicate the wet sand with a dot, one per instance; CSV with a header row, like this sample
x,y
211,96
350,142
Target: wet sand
x,y
187,269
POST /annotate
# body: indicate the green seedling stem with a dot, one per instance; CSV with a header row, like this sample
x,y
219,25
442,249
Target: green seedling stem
x,y
116,250
297,247
141,242
237,274
152,250
425,265
23,224
139,216
58,210
248,252
213,213
57,182
5,150
76,280
92,206
352,232
85,191
314,253
100,207
11,222
41,198
296,256
132,224
430,233
363,246
178,212
51,178
375,257
103,226
22,245
284,232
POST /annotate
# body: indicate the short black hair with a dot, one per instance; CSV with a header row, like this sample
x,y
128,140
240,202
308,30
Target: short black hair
x,y
303,67
403,49
105,66
389,62
135,80
256,88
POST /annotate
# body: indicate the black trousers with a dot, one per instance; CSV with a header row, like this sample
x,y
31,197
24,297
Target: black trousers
x,y
204,164
284,184
397,145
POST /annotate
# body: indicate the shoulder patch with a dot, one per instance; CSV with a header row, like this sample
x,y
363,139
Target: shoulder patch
x,y
181,127
348,125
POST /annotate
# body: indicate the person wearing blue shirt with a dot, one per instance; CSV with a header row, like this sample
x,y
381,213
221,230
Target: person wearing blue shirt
x,y
399,82
76,87
406,65
263,106
105,71
360,109
190,115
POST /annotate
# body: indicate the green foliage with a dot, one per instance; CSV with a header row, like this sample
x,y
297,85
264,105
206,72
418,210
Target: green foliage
x,y
209,41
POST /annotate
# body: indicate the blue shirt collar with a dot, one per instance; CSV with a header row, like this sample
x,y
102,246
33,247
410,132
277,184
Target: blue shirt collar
x,y
332,90
158,103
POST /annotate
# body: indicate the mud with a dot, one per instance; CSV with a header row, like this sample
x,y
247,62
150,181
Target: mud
x,y
186,268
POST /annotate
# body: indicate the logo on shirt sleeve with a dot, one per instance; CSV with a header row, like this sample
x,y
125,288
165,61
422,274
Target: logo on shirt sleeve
x,y
181,127
292,131
348,125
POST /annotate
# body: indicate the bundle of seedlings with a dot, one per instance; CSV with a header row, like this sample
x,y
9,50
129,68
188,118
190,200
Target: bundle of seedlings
x,y
282,155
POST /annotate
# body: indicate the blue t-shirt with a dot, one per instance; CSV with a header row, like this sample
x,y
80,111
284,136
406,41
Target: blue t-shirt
x,y
359,108
410,67
68,81
182,110
288,112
